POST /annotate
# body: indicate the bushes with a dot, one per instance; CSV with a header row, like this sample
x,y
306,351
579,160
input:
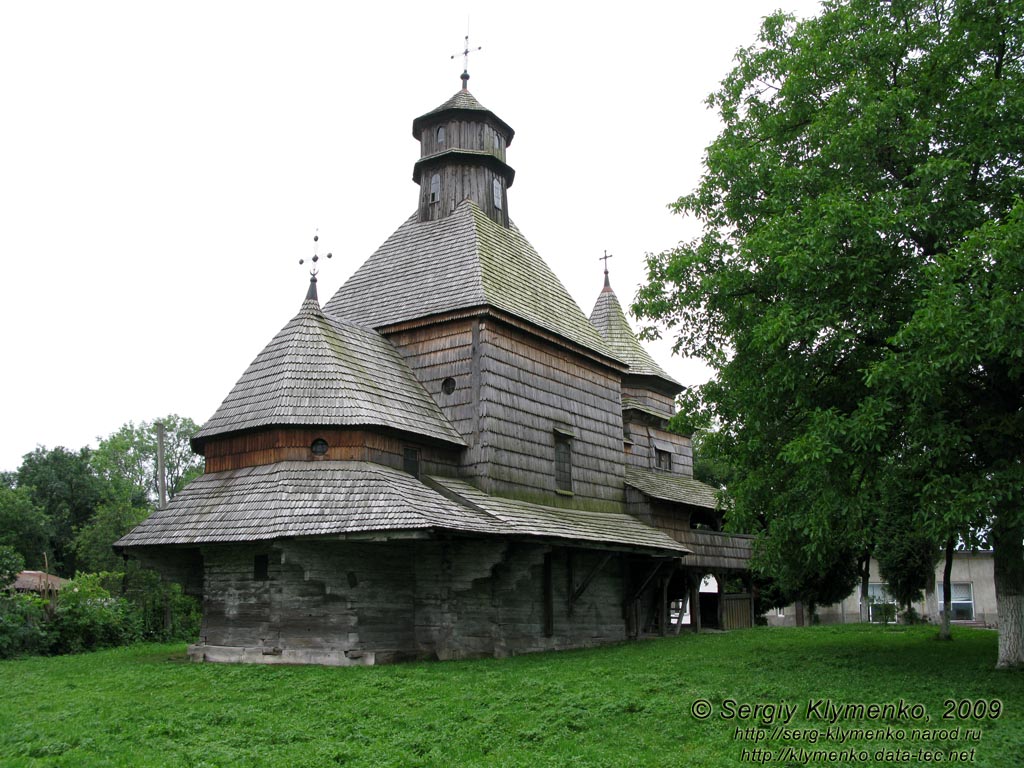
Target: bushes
x,y
97,610
23,626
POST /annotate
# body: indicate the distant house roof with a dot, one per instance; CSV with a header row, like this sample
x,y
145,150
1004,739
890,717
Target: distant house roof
x,y
609,319
37,581
668,487
462,101
462,261
321,370
331,498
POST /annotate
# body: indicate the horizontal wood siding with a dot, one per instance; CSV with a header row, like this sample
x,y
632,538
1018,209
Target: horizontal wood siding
x,y
642,452
528,390
647,397
293,444
441,351
426,599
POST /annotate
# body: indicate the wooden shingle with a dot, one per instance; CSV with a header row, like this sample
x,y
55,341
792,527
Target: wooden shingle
x,y
321,370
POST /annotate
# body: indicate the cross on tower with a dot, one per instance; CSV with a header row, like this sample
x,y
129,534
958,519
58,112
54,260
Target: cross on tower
x,y
605,260
465,61
313,271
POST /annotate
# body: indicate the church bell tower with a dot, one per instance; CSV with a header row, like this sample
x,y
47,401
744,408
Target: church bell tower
x,y
462,156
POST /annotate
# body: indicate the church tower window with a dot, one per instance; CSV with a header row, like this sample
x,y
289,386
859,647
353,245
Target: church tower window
x,y
563,463
496,185
440,135
435,187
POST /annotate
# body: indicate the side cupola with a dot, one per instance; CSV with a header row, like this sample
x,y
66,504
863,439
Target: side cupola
x,y
462,156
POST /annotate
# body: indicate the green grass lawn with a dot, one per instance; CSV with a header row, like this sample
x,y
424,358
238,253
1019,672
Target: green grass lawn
x,y
620,706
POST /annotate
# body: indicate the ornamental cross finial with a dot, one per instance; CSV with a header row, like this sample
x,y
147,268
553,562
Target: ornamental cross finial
x,y
465,61
311,294
605,260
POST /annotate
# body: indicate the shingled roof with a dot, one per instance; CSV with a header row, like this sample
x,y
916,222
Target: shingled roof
x,y
462,101
321,370
609,319
677,488
462,261
330,498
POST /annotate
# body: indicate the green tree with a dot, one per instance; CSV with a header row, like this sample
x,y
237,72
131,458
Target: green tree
x,y
94,541
64,485
859,280
11,564
24,525
128,458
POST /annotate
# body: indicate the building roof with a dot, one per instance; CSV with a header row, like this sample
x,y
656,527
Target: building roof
x,y
610,528
462,261
332,498
37,581
668,487
296,498
462,101
609,319
326,371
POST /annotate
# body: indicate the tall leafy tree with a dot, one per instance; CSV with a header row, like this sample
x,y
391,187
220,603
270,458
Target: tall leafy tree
x,y
859,280
64,485
24,525
128,458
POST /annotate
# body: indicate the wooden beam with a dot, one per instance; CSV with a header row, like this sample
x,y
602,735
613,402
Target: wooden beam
x,y
549,598
643,584
578,591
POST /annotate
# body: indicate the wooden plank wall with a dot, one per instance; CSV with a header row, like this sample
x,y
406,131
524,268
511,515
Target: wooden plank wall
x,y
528,389
293,444
340,602
462,178
646,396
447,350
463,134
642,452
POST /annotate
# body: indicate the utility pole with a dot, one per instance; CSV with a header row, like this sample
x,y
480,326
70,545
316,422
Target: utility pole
x,y
160,474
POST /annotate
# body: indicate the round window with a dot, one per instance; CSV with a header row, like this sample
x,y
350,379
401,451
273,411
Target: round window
x,y
448,385
319,447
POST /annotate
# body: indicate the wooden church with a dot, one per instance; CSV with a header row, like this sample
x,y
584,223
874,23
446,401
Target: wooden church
x,y
446,460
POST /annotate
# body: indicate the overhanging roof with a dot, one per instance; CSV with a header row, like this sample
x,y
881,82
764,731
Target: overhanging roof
x,y
669,487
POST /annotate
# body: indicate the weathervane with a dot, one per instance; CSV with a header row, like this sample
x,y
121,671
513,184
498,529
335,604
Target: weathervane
x,y
465,61
311,293
605,260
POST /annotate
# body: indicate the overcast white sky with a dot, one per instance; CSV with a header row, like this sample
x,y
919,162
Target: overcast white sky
x,y
163,167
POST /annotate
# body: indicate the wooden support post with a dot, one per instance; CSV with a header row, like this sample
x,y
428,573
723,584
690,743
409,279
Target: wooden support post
x,y
695,602
663,617
647,580
549,598
721,600
570,579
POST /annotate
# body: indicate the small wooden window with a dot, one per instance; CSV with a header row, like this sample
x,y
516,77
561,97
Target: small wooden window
x,y
563,462
319,447
663,459
448,385
440,136
411,461
261,568
435,188
497,193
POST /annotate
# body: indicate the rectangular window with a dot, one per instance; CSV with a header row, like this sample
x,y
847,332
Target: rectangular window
x,y
563,462
780,612
663,459
411,461
261,568
881,605
961,600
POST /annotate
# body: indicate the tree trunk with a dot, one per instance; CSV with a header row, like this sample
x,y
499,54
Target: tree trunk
x,y
1008,562
947,590
865,580
799,613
